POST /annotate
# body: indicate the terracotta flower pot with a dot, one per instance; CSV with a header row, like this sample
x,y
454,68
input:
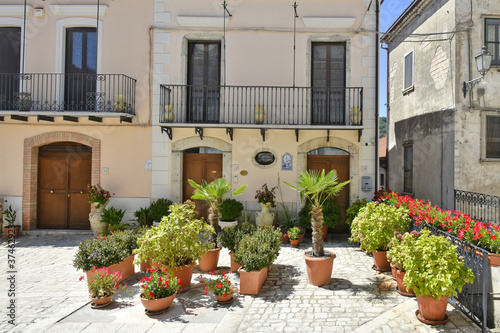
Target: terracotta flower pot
x,y
324,231
251,282
184,273
285,238
223,299
393,271
155,305
301,238
125,267
209,260
145,265
9,232
294,242
493,258
102,300
381,263
234,265
319,269
432,310
402,289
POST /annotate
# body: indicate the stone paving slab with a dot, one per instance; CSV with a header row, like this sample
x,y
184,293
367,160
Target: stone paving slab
x,y
50,297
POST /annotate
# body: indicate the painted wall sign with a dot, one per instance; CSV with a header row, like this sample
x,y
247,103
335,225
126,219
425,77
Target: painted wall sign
x,y
287,162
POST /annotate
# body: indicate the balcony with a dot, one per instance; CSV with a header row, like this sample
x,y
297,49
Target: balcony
x,y
261,107
50,95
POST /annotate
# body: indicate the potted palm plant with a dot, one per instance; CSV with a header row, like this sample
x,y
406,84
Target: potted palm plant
x,y
435,273
213,193
11,230
176,243
317,187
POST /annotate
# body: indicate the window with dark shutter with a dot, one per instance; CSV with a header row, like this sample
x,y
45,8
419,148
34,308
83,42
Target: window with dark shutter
x,y
408,71
408,169
492,38
492,137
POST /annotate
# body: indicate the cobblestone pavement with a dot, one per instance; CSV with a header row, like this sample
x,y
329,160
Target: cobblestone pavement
x,y
50,298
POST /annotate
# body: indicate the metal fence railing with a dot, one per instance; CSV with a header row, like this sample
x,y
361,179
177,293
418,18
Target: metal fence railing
x,y
481,207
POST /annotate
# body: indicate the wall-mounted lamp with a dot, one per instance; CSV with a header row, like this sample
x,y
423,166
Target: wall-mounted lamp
x,y
483,63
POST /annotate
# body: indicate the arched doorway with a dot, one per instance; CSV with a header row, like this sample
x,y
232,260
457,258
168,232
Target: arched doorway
x,y
200,163
64,171
328,158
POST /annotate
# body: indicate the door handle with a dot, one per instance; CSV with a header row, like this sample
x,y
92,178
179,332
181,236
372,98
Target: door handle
x,y
81,192
214,171
69,195
51,191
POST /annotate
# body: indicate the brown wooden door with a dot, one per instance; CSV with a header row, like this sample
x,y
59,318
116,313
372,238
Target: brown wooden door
x,y
198,167
64,170
341,164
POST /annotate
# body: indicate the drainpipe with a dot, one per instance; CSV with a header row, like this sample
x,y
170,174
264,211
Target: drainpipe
x,y
388,120
377,37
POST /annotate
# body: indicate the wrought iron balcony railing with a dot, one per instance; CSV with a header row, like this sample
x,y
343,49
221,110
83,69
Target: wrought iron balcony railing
x,y
479,206
258,105
67,92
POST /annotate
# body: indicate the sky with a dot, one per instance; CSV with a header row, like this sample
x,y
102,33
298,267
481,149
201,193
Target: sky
x,y
389,12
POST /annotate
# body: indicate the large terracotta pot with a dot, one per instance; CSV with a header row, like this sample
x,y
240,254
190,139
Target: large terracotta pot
x,y
160,304
12,232
95,220
185,274
234,265
493,258
319,269
430,309
251,282
401,286
264,218
145,265
381,263
324,231
208,262
393,271
125,267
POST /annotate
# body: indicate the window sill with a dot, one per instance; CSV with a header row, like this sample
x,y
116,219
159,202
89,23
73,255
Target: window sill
x,y
409,90
490,160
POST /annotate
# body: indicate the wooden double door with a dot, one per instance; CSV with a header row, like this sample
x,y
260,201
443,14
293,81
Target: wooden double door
x,y
64,171
198,167
340,163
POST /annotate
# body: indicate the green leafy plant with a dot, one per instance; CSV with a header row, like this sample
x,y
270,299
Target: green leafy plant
x,y
252,254
271,236
331,214
230,209
97,196
214,193
266,195
293,233
103,283
113,217
179,240
159,208
105,251
317,187
433,267
231,237
158,285
143,217
353,211
247,217
220,286
375,226
10,216
398,248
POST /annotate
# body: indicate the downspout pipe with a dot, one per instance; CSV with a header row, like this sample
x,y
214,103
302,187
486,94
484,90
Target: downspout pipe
x,y
377,70
388,120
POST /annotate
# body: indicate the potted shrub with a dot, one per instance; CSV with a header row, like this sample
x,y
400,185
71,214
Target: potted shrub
x,y
102,286
374,229
158,209
158,290
399,247
230,210
435,273
317,187
143,217
213,193
113,218
114,251
11,230
265,197
221,286
271,236
229,238
331,216
176,243
293,235
98,197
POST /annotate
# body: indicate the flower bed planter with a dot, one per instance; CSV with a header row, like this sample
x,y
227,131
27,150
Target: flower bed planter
x,y
251,282
234,265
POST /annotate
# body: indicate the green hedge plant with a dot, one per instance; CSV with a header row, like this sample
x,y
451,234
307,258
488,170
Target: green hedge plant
x,y
159,208
231,237
230,209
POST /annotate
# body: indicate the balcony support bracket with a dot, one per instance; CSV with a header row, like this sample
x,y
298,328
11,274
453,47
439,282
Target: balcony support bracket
x,y
297,135
70,118
199,131
125,119
96,119
167,130
360,132
263,133
2,118
45,118
17,117
230,131
327,135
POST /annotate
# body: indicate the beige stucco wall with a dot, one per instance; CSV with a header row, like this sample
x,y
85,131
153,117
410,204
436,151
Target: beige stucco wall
x,y
259,51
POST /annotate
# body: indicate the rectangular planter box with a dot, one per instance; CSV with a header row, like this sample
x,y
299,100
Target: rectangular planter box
x,y
125,267
251,282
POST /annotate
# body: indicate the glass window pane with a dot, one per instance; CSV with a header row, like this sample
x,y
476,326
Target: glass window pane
x,y
408,169
493,137
408,70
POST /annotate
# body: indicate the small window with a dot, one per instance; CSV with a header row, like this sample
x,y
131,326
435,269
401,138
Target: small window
x,y
492,137
408,71
408,169
492,38
265,158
